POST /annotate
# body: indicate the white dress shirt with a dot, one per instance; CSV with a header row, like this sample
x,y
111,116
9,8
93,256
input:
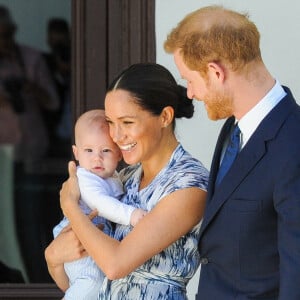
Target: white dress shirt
x,y
251,120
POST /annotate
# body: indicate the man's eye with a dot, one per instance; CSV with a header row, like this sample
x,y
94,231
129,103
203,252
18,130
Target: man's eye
x,y
127,122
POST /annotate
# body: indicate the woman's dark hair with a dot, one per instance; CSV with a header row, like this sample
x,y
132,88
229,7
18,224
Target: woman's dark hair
x,y
154,88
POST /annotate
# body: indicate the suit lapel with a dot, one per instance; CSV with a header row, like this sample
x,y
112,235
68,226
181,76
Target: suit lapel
x,y
247,159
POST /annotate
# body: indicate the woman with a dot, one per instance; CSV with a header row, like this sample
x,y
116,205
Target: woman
x,y
156,258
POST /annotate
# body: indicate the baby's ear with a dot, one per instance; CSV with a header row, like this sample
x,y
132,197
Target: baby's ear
x,y
74,148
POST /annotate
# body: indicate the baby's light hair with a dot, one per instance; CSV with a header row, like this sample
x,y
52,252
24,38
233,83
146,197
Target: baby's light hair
x,y
95,117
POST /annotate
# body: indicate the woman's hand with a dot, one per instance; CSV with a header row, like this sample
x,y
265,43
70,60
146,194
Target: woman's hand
x,y
70,193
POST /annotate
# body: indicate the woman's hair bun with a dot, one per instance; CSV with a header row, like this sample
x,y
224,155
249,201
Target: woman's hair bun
x,y
185,107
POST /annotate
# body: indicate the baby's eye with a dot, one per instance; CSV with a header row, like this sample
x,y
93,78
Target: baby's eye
x,y
106,150
88,150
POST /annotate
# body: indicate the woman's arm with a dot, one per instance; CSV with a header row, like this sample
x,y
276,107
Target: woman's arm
x,y
174,216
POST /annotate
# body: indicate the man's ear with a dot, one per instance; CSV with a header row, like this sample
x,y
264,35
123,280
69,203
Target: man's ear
x,y
216,72
167,116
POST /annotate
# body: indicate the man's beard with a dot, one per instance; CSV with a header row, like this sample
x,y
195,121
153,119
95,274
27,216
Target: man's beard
x,y
218,105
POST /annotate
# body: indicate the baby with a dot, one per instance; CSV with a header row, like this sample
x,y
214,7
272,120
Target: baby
x,y
100,189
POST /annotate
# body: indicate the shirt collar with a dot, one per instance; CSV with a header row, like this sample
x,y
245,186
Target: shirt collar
x,y
250,121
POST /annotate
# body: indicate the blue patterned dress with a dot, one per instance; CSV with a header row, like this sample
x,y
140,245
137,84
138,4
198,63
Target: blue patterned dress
x,y
164,276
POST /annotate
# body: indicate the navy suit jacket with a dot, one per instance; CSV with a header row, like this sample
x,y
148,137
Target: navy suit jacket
x,y
250,235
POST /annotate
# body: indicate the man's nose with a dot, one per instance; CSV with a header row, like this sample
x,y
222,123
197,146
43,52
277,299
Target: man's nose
x,y
189,92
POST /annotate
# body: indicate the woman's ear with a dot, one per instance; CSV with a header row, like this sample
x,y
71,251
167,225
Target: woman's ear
x,y
167,116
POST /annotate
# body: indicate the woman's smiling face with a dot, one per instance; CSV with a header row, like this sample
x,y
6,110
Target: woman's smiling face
x,y
136,131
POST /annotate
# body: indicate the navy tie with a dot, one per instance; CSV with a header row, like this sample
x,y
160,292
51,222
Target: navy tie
x,y
231,153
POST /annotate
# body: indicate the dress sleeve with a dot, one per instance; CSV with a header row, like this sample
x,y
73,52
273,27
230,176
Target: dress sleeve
x,y
189,173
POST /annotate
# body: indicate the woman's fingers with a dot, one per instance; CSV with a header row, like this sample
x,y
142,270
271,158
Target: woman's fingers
x,y
72,169
70,193
94,214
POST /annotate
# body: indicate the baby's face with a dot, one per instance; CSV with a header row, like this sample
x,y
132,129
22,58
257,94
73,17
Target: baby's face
x,y
96,152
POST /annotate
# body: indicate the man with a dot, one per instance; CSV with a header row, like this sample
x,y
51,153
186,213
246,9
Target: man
x,y
250,235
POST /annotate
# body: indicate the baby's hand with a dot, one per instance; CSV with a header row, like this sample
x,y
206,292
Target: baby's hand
x,y
136,216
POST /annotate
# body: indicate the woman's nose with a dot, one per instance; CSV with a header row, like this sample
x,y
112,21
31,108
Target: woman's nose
x,y
116,134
